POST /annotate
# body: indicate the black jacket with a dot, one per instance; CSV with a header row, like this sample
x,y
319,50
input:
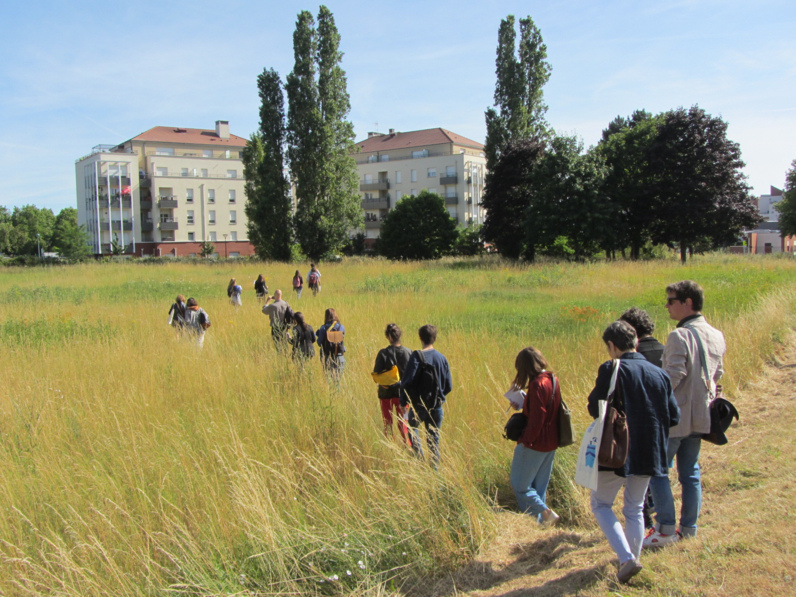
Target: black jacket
x,y
303,342
652,350
387,357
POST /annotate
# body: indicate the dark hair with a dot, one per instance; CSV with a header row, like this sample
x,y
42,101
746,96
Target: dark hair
x,y
428,334
180,299
639,320
393,333
621,334
529,364
330,315
191,302
686,289
312,265
297,275
298,317
260,277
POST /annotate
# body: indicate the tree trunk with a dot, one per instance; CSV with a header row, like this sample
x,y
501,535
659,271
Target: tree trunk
x,y
683,253
623,253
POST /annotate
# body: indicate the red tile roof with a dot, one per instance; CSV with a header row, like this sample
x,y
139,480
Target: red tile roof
x,y
170,134
414,139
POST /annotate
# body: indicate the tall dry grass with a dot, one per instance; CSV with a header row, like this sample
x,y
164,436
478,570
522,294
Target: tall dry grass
x,y
131,462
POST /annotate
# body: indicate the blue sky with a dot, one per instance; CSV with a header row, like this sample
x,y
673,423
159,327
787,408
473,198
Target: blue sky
x,y
77,74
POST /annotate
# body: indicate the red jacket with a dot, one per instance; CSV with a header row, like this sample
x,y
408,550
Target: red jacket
x,y
541,433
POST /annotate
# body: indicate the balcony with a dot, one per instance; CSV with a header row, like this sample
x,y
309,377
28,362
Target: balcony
x,y
169,224
376,203
371,224
448,179
144,181
116,225
146,203
167,202
113,181
379,185
126,203
147,226
451,200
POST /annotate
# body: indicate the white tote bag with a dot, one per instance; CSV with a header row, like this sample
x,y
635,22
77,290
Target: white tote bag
x,y
587,468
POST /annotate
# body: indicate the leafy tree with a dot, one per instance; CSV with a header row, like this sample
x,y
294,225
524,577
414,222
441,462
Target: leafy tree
x,y
701,191
69,239
28,221
419,227
321,139
787,207
116,247
6,230
469,241
206,249
508,195
268,207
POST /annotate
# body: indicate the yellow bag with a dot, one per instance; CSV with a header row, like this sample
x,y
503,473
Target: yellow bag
x,y
387,378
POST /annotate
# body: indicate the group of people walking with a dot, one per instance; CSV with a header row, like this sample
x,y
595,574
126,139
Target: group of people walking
x,y
187,317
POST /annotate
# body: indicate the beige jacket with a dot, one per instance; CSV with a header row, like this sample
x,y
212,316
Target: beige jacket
x,y
681,362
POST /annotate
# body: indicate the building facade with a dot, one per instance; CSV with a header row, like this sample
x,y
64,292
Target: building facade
x,y
767,237
165,192
395,165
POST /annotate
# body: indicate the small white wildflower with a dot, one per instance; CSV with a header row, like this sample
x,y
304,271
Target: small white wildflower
x,y
342,551
346,544
403,553
348,572
361,564
334,577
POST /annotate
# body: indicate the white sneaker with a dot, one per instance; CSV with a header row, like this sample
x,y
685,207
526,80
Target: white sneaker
x,y
654,539
549,518
628,570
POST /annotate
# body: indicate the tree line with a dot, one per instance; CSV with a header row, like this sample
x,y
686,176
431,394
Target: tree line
x,y
670,179
27,230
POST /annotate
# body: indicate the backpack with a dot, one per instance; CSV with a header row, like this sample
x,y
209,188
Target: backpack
x,y
288,318
424,392
313,279
204,322
332,345
297,282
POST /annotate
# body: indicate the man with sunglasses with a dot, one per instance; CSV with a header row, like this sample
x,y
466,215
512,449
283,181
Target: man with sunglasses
x,y
693,359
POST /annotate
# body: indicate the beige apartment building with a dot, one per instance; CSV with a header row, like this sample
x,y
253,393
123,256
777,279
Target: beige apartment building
x,y
394,165
165,192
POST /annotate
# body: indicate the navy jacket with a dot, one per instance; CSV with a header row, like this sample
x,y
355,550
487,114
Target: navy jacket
x,y
650,407
439,362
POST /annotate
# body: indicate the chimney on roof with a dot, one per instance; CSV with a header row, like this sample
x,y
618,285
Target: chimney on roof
x,y
392,131
373,134
222,129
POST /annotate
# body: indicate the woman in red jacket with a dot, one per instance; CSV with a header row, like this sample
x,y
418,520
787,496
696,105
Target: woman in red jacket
x,y
533,457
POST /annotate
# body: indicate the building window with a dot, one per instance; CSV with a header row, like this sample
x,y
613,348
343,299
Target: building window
x,y
233,217
233,236
232,195
414,192
232,173
450,171
184,172
397,177
189,195
368,178
204,172
211,216
161,171
212,237
372,159
191,235
397,195
211,195
164,151
433,191
208,153
190,216
452,212
414,176
233,254
227,155
423,153
192,255
385,158
432,172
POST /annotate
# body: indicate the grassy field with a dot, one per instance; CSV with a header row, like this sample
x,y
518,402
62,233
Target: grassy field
x,y
133,463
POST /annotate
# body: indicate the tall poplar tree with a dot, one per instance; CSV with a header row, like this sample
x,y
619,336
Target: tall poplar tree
x,y
268,208
321,139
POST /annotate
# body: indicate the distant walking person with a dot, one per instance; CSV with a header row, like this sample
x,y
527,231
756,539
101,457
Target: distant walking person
x,y
280,315
330,338
427,381
303,339
644,395
693,358
196,321
298,284
177,313
533,457
314,279
395,355
260,289
234,292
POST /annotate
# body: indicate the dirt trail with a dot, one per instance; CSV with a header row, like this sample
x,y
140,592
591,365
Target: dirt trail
x,y
747,537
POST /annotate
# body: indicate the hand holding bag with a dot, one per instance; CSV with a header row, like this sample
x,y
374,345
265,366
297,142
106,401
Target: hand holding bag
x,y
615,439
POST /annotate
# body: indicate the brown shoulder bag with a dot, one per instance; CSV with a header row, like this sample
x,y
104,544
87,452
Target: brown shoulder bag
x,y
615,439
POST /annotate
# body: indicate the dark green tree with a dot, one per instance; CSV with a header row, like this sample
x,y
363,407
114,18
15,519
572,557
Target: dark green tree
x,y
469,241
116,247
206,249
321,139
69,239
701,190
28,222
6,230
787,207
419,227
268,206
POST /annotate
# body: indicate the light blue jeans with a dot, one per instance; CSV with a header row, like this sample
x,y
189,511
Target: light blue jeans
x,y
530,475
626,542
687,451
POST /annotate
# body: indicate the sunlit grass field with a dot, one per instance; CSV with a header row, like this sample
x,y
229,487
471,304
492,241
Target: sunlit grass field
x,y
133,463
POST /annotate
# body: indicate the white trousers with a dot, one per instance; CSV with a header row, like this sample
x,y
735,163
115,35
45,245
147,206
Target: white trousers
x,y
626,542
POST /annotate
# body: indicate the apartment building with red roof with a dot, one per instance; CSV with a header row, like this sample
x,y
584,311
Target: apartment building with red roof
x,y
164,192
395,165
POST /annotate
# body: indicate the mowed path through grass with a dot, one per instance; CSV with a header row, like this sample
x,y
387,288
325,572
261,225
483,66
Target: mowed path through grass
x,y
132,463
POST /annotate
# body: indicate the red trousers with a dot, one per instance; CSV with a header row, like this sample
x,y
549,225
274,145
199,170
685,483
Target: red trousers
x,y
387,405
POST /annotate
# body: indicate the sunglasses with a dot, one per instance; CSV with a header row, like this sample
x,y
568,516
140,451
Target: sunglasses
x,y
670,300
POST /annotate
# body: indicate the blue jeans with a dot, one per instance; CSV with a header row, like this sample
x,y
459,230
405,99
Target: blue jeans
x,y
530,475
626,542
687,451
433,423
